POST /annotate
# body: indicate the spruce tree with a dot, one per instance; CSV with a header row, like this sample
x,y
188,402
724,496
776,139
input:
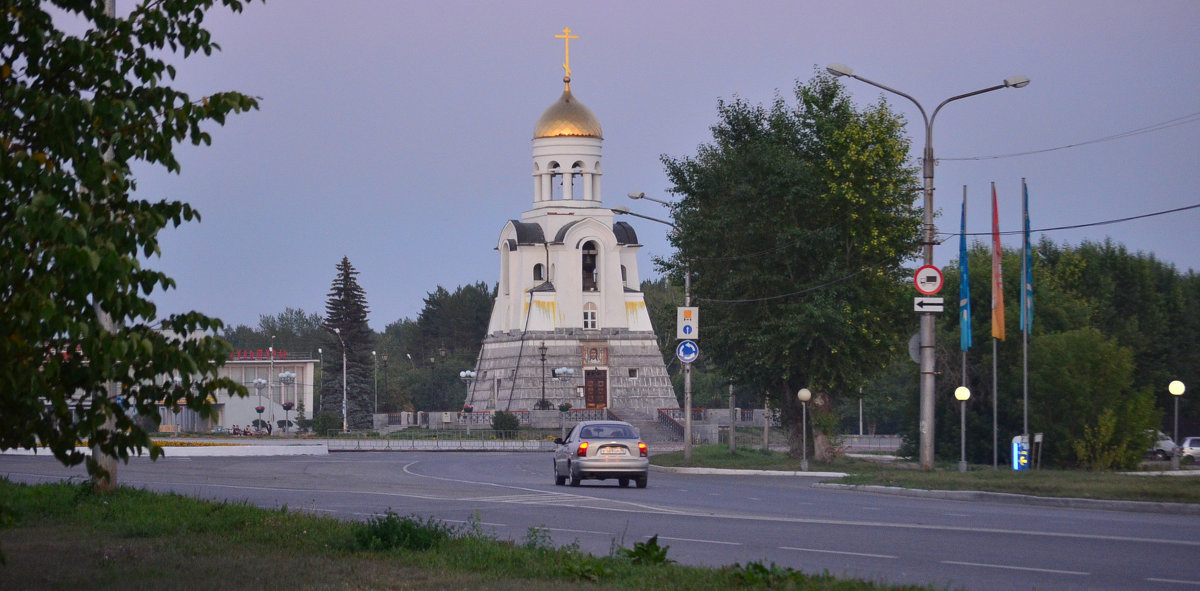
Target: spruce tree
x,y
346,324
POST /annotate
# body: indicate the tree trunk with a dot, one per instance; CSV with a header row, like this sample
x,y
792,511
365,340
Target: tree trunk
x,y
820,446
103,468
819,408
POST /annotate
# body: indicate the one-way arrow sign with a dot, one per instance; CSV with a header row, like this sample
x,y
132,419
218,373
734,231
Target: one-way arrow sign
x,y
929,305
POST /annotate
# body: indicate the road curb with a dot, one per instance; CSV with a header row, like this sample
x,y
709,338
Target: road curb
x,y
1017,499
731,472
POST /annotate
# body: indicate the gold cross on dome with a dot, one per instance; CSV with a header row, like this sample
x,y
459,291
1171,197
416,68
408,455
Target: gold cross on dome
x,y
567,37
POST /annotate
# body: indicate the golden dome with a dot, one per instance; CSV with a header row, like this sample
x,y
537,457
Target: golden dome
x,y
567,117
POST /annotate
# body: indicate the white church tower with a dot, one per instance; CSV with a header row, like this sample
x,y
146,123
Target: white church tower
x,y
568,291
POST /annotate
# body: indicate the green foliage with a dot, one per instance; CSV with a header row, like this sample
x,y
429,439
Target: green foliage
x,y
538,539
1100,448
590,569
648,552
505,423
392,532
77,111
755,574
348,337
1081,376
795,222
446,339
327,422
293,329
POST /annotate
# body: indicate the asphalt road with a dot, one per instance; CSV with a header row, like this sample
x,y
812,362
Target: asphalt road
x,y
705,519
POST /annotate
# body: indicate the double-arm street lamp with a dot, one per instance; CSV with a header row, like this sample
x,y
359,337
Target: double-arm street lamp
x,y
468,377
287,378
345,422
927,318
687,302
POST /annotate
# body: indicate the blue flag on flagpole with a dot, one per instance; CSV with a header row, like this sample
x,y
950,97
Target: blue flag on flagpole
x,y
964,290
1026,267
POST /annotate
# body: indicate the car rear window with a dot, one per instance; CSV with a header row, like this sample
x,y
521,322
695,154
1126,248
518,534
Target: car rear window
x,y
608,432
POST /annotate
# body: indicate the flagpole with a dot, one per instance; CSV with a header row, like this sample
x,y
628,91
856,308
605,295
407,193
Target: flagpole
x,y
1026,311
964,295
995,428
997,324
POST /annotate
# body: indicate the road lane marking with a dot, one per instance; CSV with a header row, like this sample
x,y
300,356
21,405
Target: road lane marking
x,y
823,551
699,541
1022,568
1174,581
579,531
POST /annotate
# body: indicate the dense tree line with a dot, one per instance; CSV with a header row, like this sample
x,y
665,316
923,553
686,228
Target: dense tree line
x,y
1111,329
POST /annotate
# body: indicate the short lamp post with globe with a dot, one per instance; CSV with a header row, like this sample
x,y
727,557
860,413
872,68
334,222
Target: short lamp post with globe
x,y
804,395
962,394
1176,389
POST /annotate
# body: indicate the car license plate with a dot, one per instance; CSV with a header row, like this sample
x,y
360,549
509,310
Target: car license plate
x,y
612,451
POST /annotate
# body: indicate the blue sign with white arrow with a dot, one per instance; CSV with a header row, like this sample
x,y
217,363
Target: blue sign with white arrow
x,y
687,351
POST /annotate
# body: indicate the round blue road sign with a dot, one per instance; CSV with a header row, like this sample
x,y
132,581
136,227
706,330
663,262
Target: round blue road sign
x,y
687,351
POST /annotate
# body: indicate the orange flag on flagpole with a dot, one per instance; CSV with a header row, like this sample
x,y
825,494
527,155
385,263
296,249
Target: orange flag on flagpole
x,y
997,275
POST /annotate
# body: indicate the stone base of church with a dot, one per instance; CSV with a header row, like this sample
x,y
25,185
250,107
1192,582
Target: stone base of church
x,y
616,368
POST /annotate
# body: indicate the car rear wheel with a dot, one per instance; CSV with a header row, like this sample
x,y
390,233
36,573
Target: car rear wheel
x,y
559,480
641,481
575,479
624,482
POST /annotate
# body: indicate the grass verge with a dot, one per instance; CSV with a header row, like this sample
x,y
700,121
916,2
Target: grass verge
x,y
60,536
1050,483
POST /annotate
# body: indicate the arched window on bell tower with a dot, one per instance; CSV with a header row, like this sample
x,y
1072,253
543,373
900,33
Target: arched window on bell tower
x,y
539,272
590,272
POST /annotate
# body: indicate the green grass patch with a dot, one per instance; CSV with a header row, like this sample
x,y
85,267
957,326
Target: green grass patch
x,y
1152,487
1047,483
61,536
718,456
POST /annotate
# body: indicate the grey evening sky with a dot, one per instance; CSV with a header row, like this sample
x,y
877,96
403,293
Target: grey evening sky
x,y
398,133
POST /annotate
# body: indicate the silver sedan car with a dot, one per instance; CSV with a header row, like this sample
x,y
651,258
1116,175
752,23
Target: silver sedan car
x,y
598,450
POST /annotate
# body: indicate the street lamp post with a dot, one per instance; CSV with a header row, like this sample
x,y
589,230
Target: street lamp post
x,y
433,361
375,377
271,387
927,318
542,404
345,420
962,394
563,374
321,369
287,378
468,378
804,395
687,302
1176,389
385,375
259,384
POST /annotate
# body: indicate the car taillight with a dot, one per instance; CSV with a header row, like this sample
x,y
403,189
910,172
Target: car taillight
x,y
582,451
641,449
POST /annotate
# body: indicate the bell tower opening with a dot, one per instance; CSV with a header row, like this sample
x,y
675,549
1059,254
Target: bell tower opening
x,y
590,278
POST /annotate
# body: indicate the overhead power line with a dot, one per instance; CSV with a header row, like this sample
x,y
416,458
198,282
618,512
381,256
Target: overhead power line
x,y
946,237
1184,120
1072,227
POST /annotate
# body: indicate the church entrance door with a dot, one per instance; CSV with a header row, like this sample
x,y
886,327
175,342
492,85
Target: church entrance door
x,y
595,388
